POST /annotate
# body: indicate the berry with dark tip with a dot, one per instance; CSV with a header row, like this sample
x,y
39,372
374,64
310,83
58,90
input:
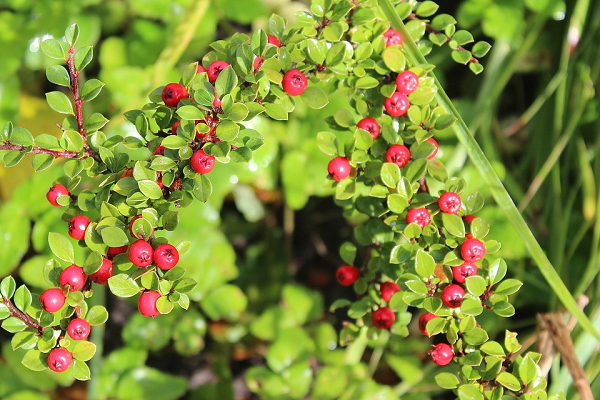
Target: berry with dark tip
x,y
398,154
339,168
419,216
294,82
78,329
397,104
472,250
407,82
463,271
141,253
346,275
166,256
449,203
77,226
441,353
452,295
383,318
59,359
370,125
74,277
202,163
104,273
392,37
56,191
215,68
423,320
173,93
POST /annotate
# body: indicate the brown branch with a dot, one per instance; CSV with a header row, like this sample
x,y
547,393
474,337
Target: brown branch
x,y
39,150
22,316
75,90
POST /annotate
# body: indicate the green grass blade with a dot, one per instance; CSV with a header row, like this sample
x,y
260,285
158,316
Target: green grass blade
x,y
500,194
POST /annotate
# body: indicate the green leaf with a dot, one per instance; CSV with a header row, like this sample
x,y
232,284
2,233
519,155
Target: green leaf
x,y
123,286
21,137
58,75
277,25
13,324
95,122
61,247
54,49
426,8
314,97
83,57
80,370
189,112
258,42
6,132
454,224
150,189
508,287
509,381
476,285
202,187
424,264
476,336
13,158
390,175
34,360
72,34
397,203
226,302
84,351
469,392
528,370
446,380
22,298
113,236
227,130
174,142
480,49
327,142
497,271
394,58
276,111
91,89
59,102
41,162
226,81
26,340
493,348
7,287
367,82
97,315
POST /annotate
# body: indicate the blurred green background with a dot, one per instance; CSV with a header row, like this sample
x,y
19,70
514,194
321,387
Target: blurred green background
x,y
265,246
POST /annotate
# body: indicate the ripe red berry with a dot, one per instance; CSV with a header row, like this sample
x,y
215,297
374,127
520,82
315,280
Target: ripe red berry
x,y
106,271
463,271
441,353
115,251
166,256
339,168
74,277
174,127
160,150
452,295
294,82
398,154
472,250
392,37
387,290
77,226
449,202
469,218
52,299
423,320
435,144
202,163
140,236
273,40
159,181
200,68
407,82
215,68
54,192
419,216
383,318
140,253
216,101
147,303
173,93
78,329
258,62
59,359
346,275
370,125
397,104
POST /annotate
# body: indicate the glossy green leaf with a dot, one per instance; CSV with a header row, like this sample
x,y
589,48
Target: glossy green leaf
x,y
122,285
59,102
61,247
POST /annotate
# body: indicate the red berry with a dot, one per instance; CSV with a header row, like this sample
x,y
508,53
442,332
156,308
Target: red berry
x,y
472,250
106,271
166,256
147,303
469,218
387,290
383,318
433,142
52,299
214,69
54,192
294,82
419,216
140,253
449,203
346,275
115,251
174,127
74,277
78,329
463,271
398,154
173,93
392,37
370,125
200,68
258,62
407,82
339,168
77,226
441,353
216,101
202,163
273,40
423,320
452,295
160,150
59,359
397,104
159,181
140,236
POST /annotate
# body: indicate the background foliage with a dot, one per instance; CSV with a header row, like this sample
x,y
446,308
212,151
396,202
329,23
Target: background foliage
x,y
265,246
